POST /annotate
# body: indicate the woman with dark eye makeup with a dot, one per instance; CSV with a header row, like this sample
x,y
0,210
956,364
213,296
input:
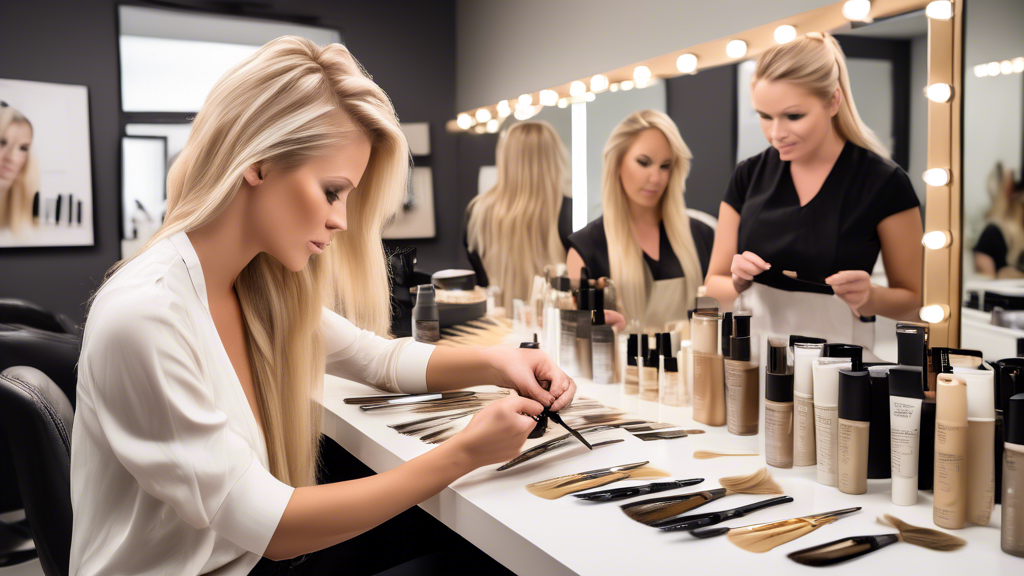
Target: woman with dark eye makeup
x,y
806,219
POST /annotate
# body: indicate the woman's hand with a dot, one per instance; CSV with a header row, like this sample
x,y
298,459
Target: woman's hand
x,y
615,319
744,267
853,286
533,374
497,433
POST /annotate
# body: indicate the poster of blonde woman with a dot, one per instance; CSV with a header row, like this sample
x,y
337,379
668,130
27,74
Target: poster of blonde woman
x,y
45,165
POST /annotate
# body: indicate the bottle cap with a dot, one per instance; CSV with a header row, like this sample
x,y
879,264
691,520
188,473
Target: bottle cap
x,y
852,351
671,363
911,343
1009,380
778,357
855,395
981,390
726,338
1015,419
632,349
778,387
648,352
905,381
795,339
739,347
826,379
425,295
583,300
951,399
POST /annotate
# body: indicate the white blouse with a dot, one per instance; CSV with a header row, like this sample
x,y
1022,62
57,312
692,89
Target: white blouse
x,y
168,464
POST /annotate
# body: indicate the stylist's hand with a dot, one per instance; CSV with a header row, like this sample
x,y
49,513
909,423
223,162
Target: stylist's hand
x,y
533,374
853,286
497,433
744,267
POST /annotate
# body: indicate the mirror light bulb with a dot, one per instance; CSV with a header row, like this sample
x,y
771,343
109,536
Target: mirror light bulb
x,y
492,126
641,73
934,314
589,97
626,85
1018,64
598,83
936,177
526,100
504,109
785,33
736,49
483,115
856,10
936,240
939,92
993,68
577,89
1006,67
687,63
981,70
548,97
465,121
563,102
939,10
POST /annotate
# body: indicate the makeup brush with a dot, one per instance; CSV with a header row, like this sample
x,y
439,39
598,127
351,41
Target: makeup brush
x,y
613,494
654,510
694,521
707,454
557,487
767,535
550,445
662,435
856,546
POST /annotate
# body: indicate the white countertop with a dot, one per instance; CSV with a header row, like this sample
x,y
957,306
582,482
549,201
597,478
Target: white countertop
x,y
531,535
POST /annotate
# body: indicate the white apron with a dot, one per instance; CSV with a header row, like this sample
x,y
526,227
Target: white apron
x,y
666,302
784,313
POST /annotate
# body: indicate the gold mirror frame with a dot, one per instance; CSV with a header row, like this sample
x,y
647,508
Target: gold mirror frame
x,y
943,204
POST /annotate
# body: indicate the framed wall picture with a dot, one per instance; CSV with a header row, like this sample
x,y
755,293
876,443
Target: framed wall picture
x,y
46,196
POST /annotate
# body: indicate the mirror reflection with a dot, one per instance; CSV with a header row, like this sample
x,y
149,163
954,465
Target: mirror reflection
x,y
993,207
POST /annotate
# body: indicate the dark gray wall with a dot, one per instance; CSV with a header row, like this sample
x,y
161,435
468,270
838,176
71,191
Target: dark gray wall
x,y
703,106
408,47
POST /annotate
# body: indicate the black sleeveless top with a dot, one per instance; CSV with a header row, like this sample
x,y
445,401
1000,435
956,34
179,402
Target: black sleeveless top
x,y
592,246
564,230
837,230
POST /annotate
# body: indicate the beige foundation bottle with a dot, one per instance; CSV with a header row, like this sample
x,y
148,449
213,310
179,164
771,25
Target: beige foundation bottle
x,y
950,502
778,406
854,427
742,384
1013,479
708,369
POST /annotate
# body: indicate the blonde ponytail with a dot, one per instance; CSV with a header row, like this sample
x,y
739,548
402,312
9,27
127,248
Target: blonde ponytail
x,y
816,63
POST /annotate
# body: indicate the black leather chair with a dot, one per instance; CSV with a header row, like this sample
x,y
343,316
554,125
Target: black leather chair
x,y
36,419
25,313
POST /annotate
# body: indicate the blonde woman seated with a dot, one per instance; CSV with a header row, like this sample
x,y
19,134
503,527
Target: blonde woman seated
x,y
194,447
522,224
19,169
645,242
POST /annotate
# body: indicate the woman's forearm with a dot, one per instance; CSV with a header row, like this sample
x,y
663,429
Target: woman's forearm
x,y
721,288
321,516
895,303
453,368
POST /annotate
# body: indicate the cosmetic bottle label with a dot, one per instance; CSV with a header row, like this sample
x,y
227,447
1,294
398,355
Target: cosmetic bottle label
x,y
853,456
950,503
778,434
804,448
826,437
742,397
426,331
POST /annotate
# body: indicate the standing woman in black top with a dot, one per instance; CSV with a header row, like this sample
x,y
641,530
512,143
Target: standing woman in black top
x,y
522,224
819,204
645,242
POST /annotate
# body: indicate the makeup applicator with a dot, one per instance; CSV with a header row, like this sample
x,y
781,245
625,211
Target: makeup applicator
x,y
853,547
655,510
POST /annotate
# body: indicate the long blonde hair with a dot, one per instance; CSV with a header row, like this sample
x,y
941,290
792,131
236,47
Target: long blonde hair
x,y
1007,211
816,63
287,103
16,206
624,252
514,226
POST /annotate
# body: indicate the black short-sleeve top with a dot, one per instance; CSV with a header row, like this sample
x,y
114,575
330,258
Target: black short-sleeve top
x,y
837,230
993,243
592,246
564,230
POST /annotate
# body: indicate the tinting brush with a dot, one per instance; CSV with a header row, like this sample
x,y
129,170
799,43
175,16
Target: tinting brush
x,y
694,521
613,494
558,487
766,536
856,546
654,510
